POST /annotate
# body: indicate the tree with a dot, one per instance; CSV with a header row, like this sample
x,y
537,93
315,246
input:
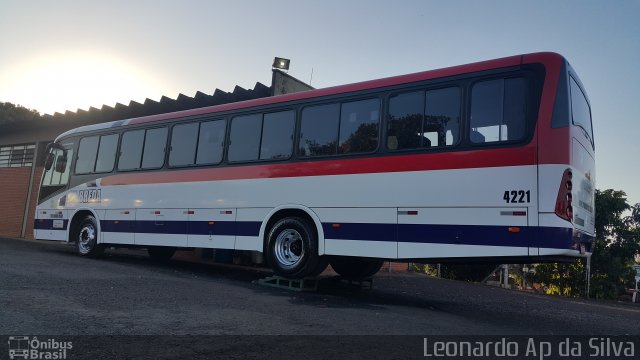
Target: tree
x,y
566,279
616,245
10,113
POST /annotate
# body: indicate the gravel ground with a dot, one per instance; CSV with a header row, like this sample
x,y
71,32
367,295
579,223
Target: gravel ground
x,y
46,289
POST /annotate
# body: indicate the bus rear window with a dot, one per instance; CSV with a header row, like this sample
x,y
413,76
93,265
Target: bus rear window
x,y
580,111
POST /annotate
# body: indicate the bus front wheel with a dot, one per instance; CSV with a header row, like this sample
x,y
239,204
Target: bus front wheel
x,y
86,237
355,268
292,249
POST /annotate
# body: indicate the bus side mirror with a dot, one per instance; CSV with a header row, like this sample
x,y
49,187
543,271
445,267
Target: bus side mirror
x,y
61,164
48,162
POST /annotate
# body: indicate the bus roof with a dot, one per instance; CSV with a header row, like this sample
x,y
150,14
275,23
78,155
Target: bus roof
x,y
541,57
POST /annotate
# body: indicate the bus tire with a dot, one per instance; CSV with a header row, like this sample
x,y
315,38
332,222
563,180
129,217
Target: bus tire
x,y
161,253
355,268
292,249
86,238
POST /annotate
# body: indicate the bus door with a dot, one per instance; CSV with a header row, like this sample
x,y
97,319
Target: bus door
x,y
52,219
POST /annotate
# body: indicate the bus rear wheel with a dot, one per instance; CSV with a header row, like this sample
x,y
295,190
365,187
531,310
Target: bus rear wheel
x,y
292,249
161,253
86,238
355,268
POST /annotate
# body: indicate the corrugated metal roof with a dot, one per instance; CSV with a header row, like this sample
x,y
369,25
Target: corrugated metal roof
x,y
165,105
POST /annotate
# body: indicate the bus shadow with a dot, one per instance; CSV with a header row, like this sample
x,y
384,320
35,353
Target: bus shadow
x,y
332,290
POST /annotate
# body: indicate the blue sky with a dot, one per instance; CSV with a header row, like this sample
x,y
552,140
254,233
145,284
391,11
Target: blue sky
x,y
63,55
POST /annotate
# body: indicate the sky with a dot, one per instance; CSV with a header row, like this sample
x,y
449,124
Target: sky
x,y
63,55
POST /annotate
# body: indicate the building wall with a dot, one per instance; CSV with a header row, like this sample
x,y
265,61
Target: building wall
x,y
37,176
391,266
283,83
14,183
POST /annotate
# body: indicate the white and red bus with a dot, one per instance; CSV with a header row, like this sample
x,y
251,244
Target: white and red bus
x,y
487,161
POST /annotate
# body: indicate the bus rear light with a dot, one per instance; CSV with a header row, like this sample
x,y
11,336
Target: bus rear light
x,y
514,229
564,201
335,226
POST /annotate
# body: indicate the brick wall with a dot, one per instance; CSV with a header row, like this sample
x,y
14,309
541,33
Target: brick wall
x,y
14,184
391,266
37,175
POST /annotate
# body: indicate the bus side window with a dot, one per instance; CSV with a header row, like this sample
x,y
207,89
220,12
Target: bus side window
x,y
87,152
277,135
424,119
442,117
580,110
359,126
244,137
106,153
131,150
498,109
155,143
319,130
404,121
183,147
211,142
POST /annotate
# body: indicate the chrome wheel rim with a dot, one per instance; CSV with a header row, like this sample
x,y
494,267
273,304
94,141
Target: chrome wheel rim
x,y
86,237
289,248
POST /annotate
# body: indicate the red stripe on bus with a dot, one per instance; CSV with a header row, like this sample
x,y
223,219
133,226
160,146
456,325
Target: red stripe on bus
x,y
415,162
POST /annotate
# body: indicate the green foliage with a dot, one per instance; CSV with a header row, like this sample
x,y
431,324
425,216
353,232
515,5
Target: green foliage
x,y
10,113
614,250
616,246
429,269
566,279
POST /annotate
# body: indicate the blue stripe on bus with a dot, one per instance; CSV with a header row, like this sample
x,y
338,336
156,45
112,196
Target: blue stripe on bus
x,y
547,237
544,237
560,238
248,228
360,231
47,224
239,228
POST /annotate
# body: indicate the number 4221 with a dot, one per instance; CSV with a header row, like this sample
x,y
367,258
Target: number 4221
x,y
517,196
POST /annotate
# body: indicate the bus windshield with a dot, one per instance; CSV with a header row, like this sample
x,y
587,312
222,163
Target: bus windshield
x,y
56,176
